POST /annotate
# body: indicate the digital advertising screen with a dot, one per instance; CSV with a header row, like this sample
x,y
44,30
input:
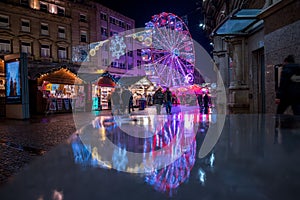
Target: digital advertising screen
x,y
13,82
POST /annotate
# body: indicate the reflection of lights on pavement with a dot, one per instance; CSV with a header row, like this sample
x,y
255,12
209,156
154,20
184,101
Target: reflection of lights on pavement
x,y
212,159
120,159
81,152
202,176
102,134
204,117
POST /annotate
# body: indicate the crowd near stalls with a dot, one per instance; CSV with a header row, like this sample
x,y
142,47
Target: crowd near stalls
x,y
63,91
141,89
60,91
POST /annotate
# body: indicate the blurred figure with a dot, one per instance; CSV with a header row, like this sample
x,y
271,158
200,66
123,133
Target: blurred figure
x,y
200,101
131,104
116,101
126,95
288,93
149,99
158,99
206,102
108,101
168,100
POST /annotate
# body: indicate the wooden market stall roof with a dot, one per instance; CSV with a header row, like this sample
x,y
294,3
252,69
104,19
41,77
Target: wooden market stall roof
x,y
134,80
60,76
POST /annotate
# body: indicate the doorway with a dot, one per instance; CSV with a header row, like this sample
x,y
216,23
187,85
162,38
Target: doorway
x,y
258,60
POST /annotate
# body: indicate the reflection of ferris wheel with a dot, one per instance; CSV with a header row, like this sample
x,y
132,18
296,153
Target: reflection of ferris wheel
x,y
171,54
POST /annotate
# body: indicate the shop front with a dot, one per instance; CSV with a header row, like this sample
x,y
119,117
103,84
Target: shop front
x,y
60,91
101,92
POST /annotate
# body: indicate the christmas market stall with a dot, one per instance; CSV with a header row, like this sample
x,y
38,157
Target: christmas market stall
x,y
141,88
60,91
101,91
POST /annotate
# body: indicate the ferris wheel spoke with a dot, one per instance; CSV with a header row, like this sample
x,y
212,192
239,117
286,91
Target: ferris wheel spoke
x,y
165,57
180,64
159,59
162,40
183,46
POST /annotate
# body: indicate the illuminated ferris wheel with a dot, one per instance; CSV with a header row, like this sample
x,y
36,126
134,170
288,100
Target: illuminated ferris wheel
x,y
171,53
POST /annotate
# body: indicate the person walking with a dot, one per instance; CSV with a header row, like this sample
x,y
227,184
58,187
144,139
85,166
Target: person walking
x,y
200,101
125,95
116,101
206,102
168,100
288,93
158,99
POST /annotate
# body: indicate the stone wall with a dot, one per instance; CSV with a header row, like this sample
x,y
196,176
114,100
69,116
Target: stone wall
x,y
278,45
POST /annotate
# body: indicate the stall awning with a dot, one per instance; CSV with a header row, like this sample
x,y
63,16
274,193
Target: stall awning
x,y
240,23
106,81
61,76
134,80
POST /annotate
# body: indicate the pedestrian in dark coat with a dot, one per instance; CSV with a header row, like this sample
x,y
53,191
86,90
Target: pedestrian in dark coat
x,y
158,99
288,93
168,100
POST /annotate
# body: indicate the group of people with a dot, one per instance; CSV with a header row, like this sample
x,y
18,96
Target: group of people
x,y
161,97
121,100
204,101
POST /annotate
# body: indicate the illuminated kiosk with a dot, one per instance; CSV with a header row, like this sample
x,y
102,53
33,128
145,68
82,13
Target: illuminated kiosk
x,y
60,90
16,89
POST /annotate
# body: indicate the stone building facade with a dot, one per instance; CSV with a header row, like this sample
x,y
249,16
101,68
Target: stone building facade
x,y
59,34
55,32
247,52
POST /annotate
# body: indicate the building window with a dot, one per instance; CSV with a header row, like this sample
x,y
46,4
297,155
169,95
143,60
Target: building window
x,y
83,18
61,32
26,47
139,52
25,25
62,53
45,51
83,36
104,31
130,66
44,29
52,9
4,21
103,16
139,63
60,11
112,33
104,61
5,46
113,20
122,65
43,7
128,26
105,47
130,54
114,64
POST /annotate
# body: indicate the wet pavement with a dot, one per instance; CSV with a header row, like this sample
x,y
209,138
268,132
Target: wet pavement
x,y
21,141
147,156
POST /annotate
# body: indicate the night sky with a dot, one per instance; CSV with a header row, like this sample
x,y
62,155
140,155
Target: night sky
x,y
142,12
